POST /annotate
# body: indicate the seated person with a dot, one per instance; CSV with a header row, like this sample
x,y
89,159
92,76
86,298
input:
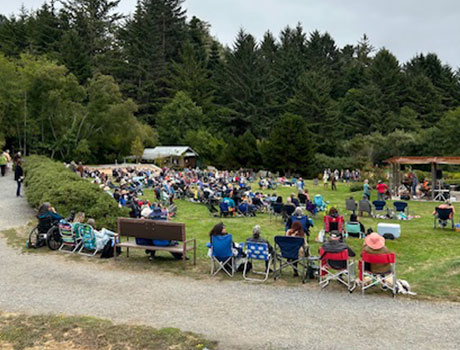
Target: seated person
x,y
303,219
296,230
333,220
220,230
294,200
355,218
102,236
231,204
375,244
256,238
46,216
335,245
288,208
446,205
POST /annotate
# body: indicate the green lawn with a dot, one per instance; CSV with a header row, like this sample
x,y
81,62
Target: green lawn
x,y
429,259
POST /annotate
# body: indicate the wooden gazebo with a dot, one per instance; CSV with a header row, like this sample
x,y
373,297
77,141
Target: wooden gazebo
x,y
395,169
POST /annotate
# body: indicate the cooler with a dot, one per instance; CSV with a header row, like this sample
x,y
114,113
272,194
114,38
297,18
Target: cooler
x,y
389,229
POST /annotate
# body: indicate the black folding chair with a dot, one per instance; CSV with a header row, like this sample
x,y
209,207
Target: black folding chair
x,y
443,215
290,251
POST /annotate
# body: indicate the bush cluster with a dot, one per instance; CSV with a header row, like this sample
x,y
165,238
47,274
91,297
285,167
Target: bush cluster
x,y
50,181
356,187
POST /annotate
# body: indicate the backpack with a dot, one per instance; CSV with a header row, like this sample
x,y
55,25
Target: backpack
x,y
107,252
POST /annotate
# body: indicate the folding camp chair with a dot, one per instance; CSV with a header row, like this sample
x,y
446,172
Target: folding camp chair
x,y
224,209
321,205
287,254
89,243
402,207
69,237
288,210
328,273
443,215
276,209
351,205
380,206
257,251
369,279
364,206
222,257
333,224
353,229
304,220
243,209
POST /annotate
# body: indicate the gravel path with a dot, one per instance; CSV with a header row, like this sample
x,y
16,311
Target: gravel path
x,y
239,315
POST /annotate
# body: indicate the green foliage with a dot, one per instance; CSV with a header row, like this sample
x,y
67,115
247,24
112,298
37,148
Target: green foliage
x,y
76,81
177,117
290,147
137,148
206,145
356,187
49,181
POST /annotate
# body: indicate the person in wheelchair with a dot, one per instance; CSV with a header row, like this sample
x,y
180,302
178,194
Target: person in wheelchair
x,y
47,216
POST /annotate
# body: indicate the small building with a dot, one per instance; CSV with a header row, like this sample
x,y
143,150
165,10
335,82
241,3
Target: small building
x,y
171,156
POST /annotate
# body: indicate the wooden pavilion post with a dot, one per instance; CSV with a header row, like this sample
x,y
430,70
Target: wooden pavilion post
x,y
433,180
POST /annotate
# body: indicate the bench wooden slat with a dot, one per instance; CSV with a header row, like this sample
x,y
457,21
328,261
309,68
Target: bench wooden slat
x,y
155,230
175,249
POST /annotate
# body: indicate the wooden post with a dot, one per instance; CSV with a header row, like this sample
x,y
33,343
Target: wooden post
x,y
433,180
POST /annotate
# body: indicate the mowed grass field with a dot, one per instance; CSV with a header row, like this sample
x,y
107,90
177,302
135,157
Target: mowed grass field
x,y
428,258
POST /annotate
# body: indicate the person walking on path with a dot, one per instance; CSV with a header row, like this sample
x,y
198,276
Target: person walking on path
x,y
18,177
3,163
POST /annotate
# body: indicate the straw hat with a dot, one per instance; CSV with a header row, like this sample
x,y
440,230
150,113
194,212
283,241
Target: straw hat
x,y
374,241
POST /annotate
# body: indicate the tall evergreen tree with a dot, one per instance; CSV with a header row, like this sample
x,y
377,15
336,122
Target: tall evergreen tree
x,y
149,40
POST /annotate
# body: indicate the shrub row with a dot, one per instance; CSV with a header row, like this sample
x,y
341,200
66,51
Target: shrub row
x,y
50,181
356,187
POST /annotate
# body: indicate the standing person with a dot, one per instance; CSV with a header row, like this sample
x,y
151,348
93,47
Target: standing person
x,y
3,162
18,176
381,190
333,185
367,190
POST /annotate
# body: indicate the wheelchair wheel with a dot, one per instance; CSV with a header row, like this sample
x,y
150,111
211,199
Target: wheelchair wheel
x,y
53,238
33,238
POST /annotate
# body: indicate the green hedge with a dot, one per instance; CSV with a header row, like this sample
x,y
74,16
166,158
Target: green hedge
x,y
356,187
50,181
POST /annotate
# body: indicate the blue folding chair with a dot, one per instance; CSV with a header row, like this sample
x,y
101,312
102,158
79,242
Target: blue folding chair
x,y
257,251
222,255
443,215
304,220
401,207
224,209
380,206
287,254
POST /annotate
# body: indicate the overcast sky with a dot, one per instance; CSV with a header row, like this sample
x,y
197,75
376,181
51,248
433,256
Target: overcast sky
x,y
406,27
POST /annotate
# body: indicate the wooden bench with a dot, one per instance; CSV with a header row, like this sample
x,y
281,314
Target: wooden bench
x,y
158,230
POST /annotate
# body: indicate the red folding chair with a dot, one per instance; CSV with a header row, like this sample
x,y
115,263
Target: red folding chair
x,y
333,224
369,279
328,273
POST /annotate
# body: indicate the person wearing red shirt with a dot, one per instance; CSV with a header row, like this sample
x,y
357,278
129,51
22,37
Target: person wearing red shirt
x,y
381,190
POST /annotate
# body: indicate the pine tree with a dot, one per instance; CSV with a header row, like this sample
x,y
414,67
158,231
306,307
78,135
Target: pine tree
x,y
95,22
149,40
312,101
242,84
191,76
